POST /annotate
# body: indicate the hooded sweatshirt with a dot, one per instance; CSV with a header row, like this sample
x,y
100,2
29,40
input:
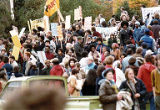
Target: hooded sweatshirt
x,y
144,74
56,70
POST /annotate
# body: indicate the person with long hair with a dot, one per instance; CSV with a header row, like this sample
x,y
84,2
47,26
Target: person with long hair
x,y
89,86
3,78
137,89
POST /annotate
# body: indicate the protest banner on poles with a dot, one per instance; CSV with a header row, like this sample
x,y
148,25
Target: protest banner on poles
x,y
68,22
51,7
151,11
87,23
107,31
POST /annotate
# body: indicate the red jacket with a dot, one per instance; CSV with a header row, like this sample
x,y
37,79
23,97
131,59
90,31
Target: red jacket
x,y
49,56
97,34
56,70
144,74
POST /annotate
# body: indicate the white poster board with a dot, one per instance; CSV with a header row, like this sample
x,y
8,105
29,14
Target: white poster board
x,y
68,22
42,56
107,31
87,23
54,29
150,11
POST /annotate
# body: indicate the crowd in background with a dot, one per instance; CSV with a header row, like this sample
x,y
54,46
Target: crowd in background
x,y
92,64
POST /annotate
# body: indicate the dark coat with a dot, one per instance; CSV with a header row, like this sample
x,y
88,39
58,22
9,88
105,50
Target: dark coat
x,y
140,88
125,35
78,50
108,96
88,90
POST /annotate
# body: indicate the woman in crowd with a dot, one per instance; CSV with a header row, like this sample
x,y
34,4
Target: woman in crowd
x,y
89,86
137,89
3,78
108,91
72,84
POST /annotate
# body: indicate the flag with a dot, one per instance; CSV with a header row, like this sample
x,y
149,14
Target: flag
x,y
51,7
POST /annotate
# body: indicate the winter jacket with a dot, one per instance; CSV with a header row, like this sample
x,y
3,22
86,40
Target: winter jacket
x,y
8,68
140,88
56,70
155,29
149,41
78,50
144,74
136,34
108,96
125,35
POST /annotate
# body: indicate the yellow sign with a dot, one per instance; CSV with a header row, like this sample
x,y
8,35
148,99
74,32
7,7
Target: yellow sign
x,y
15,52
51,7
16,41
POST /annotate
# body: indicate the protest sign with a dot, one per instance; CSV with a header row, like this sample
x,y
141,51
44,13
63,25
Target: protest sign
x,y
87,23
42,56
151,11
46,23
54,29
51,7
107,31
21,33
15,52
80,13
76,14
68,22
37,23
60,34
16,41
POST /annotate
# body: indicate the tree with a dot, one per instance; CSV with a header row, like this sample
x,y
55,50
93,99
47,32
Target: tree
x,y
130,11
5,19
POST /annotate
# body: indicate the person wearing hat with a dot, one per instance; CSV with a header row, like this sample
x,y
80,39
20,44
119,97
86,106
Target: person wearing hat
x,y
147,39
78,47
136,33
108,91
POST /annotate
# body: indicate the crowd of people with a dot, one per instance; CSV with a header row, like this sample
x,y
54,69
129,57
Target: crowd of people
x,y
92,64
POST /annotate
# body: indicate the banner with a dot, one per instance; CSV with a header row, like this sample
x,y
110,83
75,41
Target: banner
x,y
68,22
87,23
51,7
151,11
106,32
37,23
54,29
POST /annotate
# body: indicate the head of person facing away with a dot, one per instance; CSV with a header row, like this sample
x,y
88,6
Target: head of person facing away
x,y
36,98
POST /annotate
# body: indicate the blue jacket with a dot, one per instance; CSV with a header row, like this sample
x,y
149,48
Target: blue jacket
x,y
136,34
148,41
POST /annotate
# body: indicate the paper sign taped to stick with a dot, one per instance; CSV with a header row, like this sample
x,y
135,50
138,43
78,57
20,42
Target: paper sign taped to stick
x,y
15,52
87,23
13,33
42,56
54,29
68,22
16,41
80,12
